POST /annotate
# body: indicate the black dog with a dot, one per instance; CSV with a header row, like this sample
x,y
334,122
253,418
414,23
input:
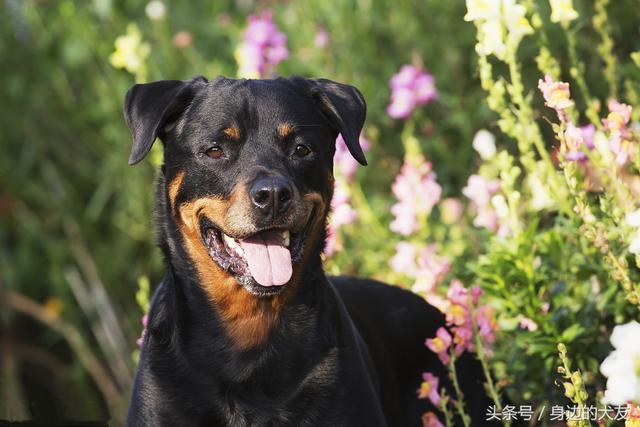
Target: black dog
x,y
246,329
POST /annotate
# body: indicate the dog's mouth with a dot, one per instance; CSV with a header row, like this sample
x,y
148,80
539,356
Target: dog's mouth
x,y
262,262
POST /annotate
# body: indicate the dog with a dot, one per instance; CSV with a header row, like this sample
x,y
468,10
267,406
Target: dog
x,y
245,328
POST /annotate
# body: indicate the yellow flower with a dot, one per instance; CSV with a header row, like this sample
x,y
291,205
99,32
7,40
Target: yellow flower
x,y
562,11
131,52
53,306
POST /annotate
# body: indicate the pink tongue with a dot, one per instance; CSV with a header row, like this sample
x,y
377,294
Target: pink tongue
x,y
269,260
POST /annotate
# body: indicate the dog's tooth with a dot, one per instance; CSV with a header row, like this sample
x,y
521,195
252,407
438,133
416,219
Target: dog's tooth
x,y
286,238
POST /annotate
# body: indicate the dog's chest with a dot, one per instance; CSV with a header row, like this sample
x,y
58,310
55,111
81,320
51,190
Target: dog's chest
x,y
284,401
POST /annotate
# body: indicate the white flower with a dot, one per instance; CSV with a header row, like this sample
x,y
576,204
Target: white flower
x,y
540,196
621,367
485,144
633,218
490,40
517,24
482,10
562,11
155,10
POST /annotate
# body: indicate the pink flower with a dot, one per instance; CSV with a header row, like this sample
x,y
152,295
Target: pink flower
x,y
480,191
616,123
344,162
527,323
451,210
429,388
619,116
431,270
574,140
429,419
417,192
263,46
321,38
556,95
487,324
411,87
404,261
440,344
144,321
341,214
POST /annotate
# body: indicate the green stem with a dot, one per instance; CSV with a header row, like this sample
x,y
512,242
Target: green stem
x,y
458,402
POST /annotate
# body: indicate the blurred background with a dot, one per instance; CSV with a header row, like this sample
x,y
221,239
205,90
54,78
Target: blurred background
x,y
78,255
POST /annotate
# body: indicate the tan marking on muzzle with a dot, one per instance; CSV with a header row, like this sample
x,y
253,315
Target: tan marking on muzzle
x,y
174,187
248,320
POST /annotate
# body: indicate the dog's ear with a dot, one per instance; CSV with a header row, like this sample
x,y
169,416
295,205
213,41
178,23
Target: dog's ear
x,y
345,108
150,107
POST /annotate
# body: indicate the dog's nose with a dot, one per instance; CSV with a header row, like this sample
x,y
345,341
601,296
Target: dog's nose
x,y
271,195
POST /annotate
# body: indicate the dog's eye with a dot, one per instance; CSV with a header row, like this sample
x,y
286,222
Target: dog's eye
x,y
301,150
215,152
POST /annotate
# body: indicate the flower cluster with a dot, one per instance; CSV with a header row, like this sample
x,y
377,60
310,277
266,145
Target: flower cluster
x,y
423,265
562,11
131,52
341,211
557,95
621,366
501,25
463,316
481,191
619,134
417,192
263,47
411,87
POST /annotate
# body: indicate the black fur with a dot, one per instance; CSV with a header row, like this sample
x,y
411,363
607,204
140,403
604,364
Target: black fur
x,y
344,351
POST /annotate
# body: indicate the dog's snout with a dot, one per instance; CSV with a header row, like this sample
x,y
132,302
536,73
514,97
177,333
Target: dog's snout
x,y
271,195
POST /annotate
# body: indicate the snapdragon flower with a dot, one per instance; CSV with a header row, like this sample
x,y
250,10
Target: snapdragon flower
x,y
411,87
562,11
417,192
621,366
263,47
480,191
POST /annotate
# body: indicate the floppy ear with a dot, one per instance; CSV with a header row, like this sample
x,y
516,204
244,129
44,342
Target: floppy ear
x,y
150,107
346,110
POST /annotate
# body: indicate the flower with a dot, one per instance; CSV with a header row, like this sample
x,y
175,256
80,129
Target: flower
x,y
462,304
616,123
131,52
440,344
342,212
417,192
480,191
527,323
263,47
429,419
144,321
404,261
562,11
182,39
501,25
431,270
411,87
556,95
155,10
485,144
429,388
321,38
343,161
621,366
451,210
423,265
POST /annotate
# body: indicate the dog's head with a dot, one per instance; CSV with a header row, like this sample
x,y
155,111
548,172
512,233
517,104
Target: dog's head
x,y
248,167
